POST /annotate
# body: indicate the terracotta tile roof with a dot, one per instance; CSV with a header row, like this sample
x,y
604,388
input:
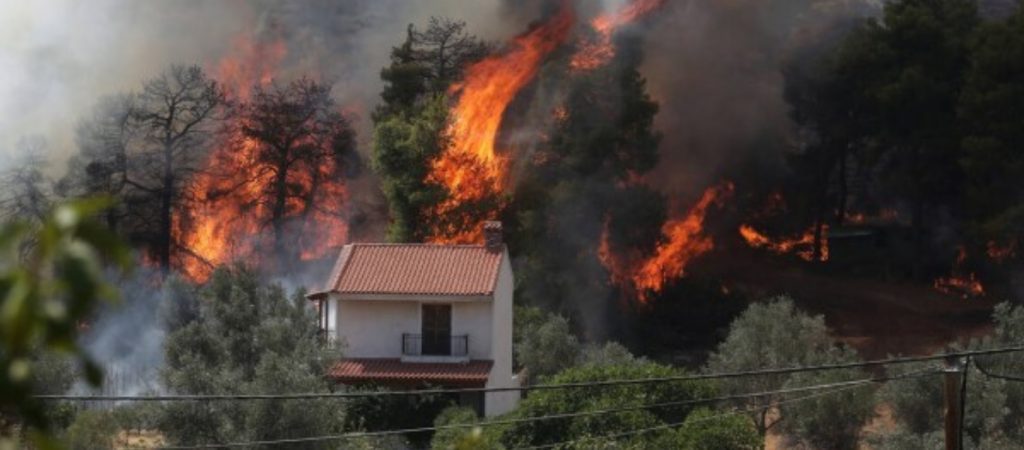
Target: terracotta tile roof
x,y
392,371
415,269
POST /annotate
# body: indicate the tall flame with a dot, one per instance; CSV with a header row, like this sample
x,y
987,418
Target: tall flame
x,y
226,219
683,239
599,51
471,168
802,245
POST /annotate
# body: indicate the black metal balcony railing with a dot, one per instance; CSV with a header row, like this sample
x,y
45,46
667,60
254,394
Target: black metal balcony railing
x,y
420,345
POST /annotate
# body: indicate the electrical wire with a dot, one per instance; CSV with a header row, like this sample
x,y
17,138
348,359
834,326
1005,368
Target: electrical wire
x,y
324,438
710,418
542,387
998,376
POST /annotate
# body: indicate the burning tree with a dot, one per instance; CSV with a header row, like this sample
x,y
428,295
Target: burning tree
x,y
144,149
446,170
281,169
411,124
306,144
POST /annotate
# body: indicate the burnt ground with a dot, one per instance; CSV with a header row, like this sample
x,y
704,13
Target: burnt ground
x,y
877,317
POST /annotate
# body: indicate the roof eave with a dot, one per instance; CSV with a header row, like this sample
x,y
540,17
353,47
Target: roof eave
x,y
401,297
317,296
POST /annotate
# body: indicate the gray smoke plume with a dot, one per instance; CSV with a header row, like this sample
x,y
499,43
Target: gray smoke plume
x,y
61,56
715,67
126,338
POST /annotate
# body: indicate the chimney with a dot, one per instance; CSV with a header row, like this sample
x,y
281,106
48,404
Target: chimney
x,y
492,235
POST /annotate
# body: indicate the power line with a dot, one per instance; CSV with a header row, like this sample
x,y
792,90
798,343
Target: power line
x,y
995,375
710,418
542,387
384,433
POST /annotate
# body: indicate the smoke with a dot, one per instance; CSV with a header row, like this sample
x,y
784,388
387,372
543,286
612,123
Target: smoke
x,y
61,56
715,67
126,338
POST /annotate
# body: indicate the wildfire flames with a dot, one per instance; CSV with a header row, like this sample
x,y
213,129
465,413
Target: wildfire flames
x,y
683,239
1001,253
958,283
471,169
599,51
226,220
802,245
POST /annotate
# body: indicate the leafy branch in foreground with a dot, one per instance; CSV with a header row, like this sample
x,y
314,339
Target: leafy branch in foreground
x,y
51,278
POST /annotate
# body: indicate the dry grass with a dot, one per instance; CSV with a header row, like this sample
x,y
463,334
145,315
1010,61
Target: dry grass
x,y
133,440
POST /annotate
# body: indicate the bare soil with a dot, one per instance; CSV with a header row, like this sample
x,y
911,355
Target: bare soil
x,y
876,317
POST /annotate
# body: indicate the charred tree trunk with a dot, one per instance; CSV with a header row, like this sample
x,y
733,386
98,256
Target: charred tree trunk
x,y
917,212
821,203
164,230
843,187
279,212
314,187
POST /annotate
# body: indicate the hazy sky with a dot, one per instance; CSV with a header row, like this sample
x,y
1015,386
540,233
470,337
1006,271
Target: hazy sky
x,y
713,64
58,57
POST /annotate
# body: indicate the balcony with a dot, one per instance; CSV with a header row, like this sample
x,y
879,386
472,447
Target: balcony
x,y
448,348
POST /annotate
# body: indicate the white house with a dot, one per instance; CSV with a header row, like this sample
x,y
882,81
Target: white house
x,y
411,315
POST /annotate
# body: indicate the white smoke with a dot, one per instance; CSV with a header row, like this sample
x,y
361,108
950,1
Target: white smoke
x,y
60,56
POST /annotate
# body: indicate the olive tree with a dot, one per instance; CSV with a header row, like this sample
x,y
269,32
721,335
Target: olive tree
x,y
774,334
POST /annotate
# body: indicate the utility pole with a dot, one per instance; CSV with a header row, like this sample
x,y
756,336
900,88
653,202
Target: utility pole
x,y
953,385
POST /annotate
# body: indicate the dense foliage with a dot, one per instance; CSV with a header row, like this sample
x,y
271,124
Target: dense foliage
x,y
673,424
248,338
776,334
410,124
914,111
995,407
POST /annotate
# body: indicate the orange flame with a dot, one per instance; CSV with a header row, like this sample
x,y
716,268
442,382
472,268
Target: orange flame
x,y
683,240
803,245
470,168
966,285
225,221
1001,253
599,51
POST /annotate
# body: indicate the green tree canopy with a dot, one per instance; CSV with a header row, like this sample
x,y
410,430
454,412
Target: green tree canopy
x,y
776,334
995,407
248,338
594,427
992,111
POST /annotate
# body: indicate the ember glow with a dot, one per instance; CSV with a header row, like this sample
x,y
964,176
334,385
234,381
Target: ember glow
x,y
883,217
683,239
600,50
802,246
959,282
1000,253
965,286
226,221
471,168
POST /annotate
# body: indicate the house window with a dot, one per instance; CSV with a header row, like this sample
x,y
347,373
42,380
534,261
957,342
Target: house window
x,y
437,330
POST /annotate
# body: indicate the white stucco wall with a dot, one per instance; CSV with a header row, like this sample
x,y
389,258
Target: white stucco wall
x,y
474,319
496,403
373,329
